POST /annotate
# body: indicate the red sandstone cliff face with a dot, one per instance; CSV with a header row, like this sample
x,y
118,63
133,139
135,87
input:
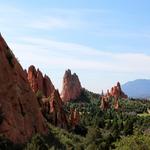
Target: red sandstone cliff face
x,y
40,83
22,117
56,107
71,87
51,103
116,93
53,107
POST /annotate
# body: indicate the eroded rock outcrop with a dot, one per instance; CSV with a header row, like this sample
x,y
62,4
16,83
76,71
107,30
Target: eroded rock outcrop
x,y
116,93
38,82
74,117
105,101
21,115
54,111
71,87
56,105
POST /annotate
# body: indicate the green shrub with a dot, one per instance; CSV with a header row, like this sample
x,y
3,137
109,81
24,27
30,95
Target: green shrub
x,y
138,142
37,143
40,142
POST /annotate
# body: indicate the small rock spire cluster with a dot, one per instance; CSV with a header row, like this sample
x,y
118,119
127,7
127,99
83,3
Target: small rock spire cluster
x,y
116,93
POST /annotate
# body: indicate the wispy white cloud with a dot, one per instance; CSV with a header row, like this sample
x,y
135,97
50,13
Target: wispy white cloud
x,y
50,23
55,22
71,55
55,18
116,33
9,9
11,16
78,10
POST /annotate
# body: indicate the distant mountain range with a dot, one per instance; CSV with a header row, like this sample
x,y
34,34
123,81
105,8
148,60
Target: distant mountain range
x,y
139,88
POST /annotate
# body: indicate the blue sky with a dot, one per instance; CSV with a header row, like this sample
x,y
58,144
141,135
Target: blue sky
x,y
102,41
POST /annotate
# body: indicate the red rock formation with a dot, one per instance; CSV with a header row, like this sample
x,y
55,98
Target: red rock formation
x,y
51,104
104,103
115,93
54,107
71,87
48,86
57,116
22,117
40,83
74,117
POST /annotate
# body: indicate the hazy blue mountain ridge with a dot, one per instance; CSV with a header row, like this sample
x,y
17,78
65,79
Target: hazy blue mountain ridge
x,y
139,88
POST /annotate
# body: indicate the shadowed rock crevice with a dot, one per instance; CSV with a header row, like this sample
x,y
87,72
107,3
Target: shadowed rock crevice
x,y
21,109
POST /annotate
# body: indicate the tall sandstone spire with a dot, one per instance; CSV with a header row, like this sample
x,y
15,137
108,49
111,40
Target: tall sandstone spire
x,y
71,87
19,107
